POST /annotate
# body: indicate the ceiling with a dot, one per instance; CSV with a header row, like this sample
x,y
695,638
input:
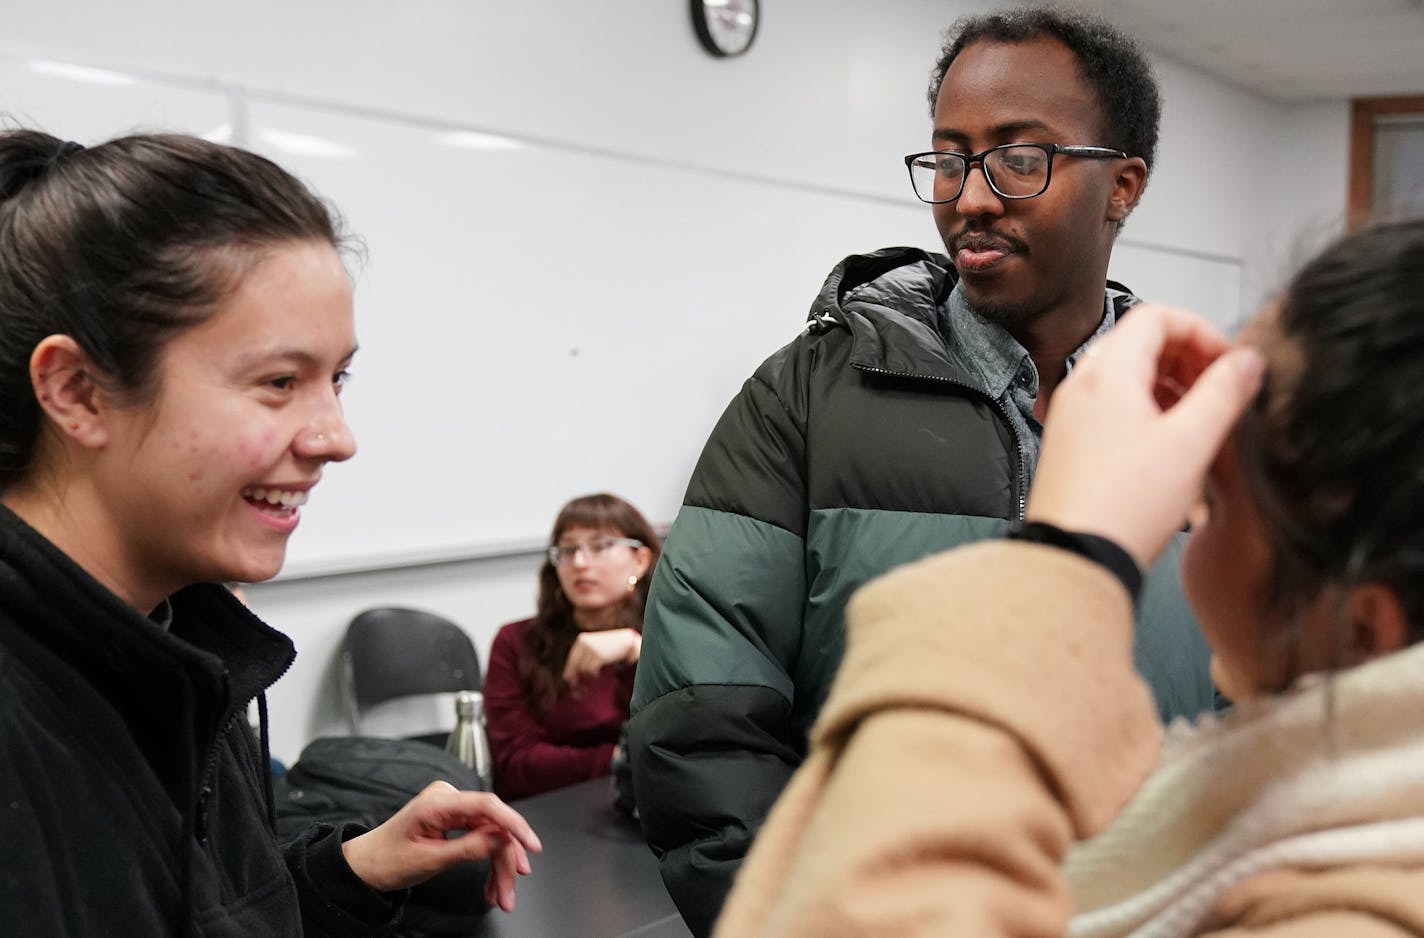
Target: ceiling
x,y
1292,50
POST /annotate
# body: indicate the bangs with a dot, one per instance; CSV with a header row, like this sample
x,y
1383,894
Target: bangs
x,y
596,512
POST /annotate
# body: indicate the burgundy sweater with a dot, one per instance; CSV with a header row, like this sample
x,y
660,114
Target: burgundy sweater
x,y
539,750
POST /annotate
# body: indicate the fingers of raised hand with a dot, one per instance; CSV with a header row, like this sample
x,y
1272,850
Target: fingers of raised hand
x,y
1157,341
1210,407
507,862
483,806
579,667
1149,363
1155,402
444,807
591,652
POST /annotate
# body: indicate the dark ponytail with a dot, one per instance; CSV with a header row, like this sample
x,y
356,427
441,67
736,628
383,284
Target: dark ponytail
x,y
28,155
1333,450
122,246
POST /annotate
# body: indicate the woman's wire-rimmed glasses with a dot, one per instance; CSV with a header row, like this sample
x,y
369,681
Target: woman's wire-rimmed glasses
x,y
1013,170
597,549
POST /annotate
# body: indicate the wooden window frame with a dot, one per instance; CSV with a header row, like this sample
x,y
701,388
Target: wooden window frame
x,y
1363,112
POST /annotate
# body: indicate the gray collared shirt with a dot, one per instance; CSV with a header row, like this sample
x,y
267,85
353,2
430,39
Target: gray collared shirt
x,y
1003,366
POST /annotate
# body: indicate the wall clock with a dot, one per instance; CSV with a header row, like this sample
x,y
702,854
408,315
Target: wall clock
x,y
726,27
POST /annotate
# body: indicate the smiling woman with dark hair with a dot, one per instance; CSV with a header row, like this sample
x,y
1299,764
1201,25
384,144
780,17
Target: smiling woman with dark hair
x,y
175,329
963,752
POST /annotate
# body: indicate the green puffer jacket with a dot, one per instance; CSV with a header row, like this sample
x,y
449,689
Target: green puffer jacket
x,y
858,447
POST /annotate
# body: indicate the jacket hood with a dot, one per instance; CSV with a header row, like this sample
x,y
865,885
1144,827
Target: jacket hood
x,y
890,302
909,280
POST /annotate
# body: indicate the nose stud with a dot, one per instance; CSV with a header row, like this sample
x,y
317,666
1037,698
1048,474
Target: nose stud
x,y
321,437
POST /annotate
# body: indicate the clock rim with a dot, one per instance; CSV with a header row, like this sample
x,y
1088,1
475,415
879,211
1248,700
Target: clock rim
x,y
704,34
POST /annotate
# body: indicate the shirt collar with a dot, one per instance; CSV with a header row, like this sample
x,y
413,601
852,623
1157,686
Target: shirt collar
x,y
987,350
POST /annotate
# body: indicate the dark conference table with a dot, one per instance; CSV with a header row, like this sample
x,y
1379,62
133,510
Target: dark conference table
x,y
595,879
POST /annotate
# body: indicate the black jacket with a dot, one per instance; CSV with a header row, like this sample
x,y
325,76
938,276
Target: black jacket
x,y
134,799
860,446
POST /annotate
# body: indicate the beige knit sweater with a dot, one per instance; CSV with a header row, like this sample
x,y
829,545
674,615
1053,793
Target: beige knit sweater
x,y
987,716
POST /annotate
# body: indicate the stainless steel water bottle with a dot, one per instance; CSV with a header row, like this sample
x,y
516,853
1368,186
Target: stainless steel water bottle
x,y
468,742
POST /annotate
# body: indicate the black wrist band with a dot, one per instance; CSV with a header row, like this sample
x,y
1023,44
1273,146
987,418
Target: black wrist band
x,y
1099,549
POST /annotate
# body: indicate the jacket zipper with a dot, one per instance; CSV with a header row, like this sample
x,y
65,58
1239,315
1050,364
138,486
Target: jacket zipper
x,y
1021,488
200,817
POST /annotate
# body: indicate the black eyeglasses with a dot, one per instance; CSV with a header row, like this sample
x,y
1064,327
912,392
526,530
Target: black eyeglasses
x,y
1014,170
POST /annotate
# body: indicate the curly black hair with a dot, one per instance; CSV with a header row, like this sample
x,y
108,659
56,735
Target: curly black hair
x,y
1112,63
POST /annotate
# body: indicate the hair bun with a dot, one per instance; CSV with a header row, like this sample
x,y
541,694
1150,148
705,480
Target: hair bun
x,y
29,155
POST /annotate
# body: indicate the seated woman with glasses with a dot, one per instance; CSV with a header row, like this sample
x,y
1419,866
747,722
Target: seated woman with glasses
x,y
558,685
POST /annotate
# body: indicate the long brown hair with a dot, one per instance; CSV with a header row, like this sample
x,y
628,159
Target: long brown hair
x,y
550,636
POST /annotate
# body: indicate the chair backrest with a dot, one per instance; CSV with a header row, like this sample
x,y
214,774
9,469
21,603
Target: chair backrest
x,y
403,668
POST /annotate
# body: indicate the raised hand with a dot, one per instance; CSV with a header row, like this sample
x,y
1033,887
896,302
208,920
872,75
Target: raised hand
x,y
593,651
1133,428
411,846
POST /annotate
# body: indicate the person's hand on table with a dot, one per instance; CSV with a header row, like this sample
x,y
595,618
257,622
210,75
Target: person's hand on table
x,y
411,846
1134,427
591,652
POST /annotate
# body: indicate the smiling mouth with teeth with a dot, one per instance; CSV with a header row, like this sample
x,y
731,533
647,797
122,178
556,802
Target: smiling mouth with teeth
x,y
282,502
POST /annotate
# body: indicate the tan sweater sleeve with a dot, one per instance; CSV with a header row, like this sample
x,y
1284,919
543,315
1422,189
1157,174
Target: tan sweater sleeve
x,y
987,713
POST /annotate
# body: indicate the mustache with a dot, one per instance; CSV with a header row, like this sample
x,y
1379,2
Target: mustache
x,y
986,241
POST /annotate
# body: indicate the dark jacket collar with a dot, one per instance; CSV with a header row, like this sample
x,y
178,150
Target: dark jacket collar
x,y
173,690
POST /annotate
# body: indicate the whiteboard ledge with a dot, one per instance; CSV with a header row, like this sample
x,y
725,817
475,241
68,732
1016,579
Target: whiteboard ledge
x,y
374,563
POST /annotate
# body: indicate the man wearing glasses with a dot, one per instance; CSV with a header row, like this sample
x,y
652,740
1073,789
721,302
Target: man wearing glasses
x,y
904,421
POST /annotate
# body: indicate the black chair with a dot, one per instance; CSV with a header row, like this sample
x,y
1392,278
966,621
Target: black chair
x,y
403,668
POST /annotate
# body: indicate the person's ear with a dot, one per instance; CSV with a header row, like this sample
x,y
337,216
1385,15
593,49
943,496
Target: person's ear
x,y
64,383
643,557
1128,183
1376,623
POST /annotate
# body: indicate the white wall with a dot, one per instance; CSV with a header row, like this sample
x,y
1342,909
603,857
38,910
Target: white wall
x,y
830,96
1306,203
